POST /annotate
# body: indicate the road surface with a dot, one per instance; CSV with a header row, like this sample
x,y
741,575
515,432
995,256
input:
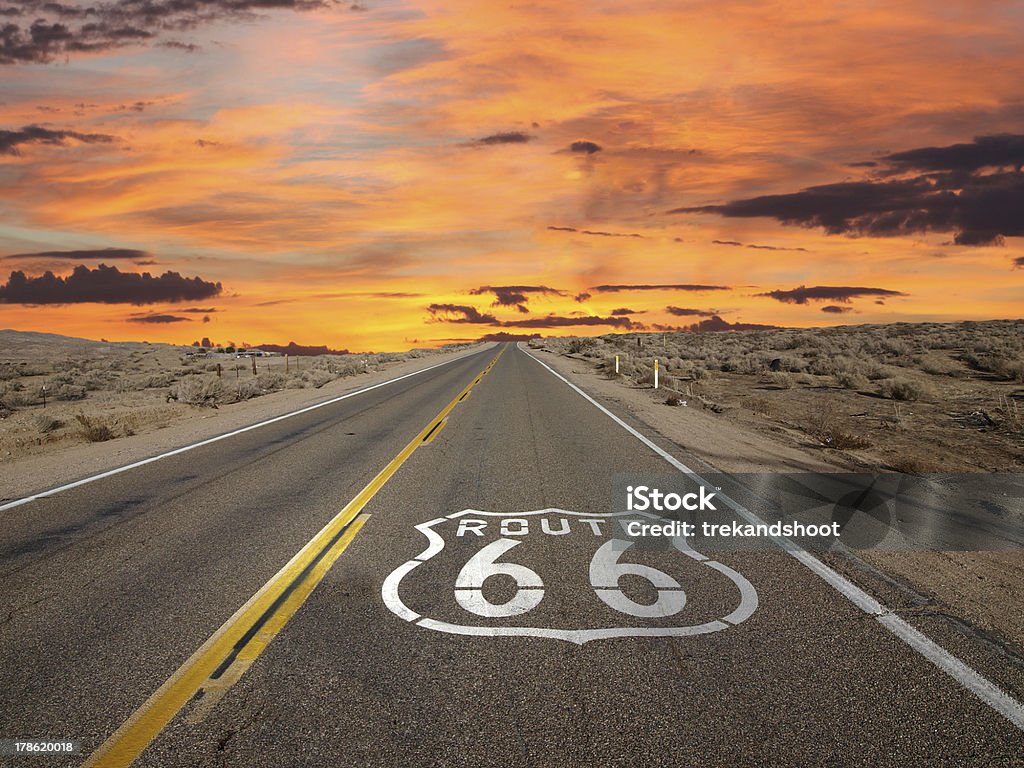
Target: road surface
x,y
267,600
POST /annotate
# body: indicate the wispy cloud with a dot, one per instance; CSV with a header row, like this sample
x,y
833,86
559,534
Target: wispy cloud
x,y
658,287
88,254
844,294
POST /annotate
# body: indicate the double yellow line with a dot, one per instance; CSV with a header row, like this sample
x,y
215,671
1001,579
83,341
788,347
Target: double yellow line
x,y
229,652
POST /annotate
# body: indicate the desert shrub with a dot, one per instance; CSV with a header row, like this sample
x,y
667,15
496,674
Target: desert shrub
x,y
673,401
876,372
1004,363
645,376
94,430
65,392
608,367
271,380
781,379
806,379
938,366
913,465
14,395
895,347
46,423
761,405
316,378
823,366
824,426
904,389
852,380
246,389
201,390
350,368
577,345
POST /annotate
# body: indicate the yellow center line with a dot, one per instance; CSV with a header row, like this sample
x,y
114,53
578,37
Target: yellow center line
x,y
225,656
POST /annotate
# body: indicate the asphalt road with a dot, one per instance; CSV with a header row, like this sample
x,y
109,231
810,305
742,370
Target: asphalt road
x,y
405,653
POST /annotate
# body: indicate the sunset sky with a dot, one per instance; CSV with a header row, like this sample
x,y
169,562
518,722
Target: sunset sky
x,y
388,174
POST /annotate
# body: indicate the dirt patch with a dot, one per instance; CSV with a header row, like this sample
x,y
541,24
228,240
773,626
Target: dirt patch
x,y
722,442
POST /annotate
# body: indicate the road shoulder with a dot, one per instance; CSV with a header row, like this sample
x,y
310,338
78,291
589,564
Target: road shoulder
x,y
33,474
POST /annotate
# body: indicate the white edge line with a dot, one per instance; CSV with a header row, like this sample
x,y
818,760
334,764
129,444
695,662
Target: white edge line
x,y
217,438
987,691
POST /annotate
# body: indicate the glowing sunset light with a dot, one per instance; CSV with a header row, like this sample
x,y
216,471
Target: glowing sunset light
x,y
389,174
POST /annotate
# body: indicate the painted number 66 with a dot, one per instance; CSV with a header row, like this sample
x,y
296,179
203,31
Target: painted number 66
x,y
605,572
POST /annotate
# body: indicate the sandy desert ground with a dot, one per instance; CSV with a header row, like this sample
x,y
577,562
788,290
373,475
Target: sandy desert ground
x,y
915,398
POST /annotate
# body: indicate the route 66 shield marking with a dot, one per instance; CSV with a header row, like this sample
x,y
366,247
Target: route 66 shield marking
x,y
660,618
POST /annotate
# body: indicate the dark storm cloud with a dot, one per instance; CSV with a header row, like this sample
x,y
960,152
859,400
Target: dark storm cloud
x,y
666,287
158,319
942,189
10,141
579,298
46,30
514,295
687,312
459,313
836,310
559,321
587,147
197,310
843,294
1004,150
82,255
622,311
508,137
105,285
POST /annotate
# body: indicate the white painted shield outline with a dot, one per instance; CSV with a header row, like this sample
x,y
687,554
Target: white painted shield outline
x,y
389,590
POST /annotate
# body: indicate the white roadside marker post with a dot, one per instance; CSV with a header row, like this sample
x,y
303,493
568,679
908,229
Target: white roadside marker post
x,y
655,373
616,364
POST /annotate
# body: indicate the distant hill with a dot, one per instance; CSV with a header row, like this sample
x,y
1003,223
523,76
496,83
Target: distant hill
x,y
298,349
26,344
